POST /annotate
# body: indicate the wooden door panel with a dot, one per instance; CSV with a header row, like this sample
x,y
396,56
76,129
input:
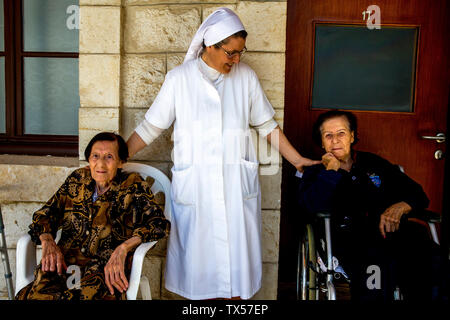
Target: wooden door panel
x,y
394,136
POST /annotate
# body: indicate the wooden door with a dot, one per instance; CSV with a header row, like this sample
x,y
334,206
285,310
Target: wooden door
x,y
396,136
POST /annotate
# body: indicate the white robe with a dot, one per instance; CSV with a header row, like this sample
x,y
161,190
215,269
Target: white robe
x,y
214,248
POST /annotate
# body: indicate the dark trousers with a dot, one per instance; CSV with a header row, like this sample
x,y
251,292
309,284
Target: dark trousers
x,y
377,265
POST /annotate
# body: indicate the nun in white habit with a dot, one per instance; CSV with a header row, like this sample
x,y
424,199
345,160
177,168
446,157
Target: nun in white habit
x,y
213,99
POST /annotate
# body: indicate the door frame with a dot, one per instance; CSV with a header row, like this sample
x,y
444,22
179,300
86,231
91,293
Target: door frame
x,y
288,236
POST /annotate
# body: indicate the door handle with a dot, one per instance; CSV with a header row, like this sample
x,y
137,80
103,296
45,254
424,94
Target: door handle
x,y
439,138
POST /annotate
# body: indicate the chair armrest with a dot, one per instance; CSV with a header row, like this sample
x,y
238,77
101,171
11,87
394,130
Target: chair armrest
x,y
25,262
136,269
432,216
323,214
425,215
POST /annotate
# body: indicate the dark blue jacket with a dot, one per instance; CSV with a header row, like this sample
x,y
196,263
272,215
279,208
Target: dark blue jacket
x,y
360,196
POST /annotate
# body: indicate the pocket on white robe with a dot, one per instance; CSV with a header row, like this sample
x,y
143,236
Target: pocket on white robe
x,y
249,179
183,186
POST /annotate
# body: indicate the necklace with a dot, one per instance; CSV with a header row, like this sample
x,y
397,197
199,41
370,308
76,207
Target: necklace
x,y
98,193
101,192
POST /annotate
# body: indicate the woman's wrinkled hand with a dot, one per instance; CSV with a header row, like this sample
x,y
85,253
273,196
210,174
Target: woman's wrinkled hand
x,y
390,219
52,257
115,270
330,161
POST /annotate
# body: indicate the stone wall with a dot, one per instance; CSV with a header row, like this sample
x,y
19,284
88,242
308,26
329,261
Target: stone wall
x,y
126,48
23,190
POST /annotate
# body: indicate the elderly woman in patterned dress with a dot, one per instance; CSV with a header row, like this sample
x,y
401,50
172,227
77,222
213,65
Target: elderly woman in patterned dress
x,y
104,214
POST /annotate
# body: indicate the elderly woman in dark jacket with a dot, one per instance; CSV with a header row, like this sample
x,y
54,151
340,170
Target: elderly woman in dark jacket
x,y
104,214
370,200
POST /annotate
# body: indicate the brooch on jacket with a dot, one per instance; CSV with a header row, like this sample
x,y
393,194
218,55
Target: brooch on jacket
x,y
375,179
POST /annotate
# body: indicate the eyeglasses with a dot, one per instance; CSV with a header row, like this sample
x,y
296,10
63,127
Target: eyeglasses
x,y
107,158
339,135
233,54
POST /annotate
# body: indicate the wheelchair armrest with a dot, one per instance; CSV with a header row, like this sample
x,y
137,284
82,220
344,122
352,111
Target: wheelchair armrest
x,y
25,261
323,214
136,269
425,215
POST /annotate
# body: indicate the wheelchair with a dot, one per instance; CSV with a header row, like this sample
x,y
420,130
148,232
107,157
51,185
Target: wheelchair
x,y
315,277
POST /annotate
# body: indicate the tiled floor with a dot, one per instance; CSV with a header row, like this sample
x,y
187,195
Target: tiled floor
x,y
287,291
3,295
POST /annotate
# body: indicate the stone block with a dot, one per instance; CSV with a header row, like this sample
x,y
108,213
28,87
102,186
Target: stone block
x,y
12,265
174,60
208,9
99,29
3,294
142,77
269,286
152,270
130,120
17,217
100,2
102,119
141,2
159,250
265,23
99,80
270,235
31,183
39,160
160,28
270,188
270,68
279,117
159,150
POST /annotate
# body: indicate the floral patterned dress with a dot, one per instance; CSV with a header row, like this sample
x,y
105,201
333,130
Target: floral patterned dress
x,y
91,230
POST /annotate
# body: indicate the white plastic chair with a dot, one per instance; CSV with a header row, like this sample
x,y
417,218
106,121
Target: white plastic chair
x,y
26,249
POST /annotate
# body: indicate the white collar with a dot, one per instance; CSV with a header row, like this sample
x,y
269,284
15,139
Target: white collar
x,y
210,73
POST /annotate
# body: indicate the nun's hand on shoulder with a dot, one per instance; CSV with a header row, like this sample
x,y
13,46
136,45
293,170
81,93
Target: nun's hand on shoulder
x,y
305,162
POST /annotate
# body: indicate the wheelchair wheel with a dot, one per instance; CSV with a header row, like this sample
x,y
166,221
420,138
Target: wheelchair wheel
x,y
306,275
